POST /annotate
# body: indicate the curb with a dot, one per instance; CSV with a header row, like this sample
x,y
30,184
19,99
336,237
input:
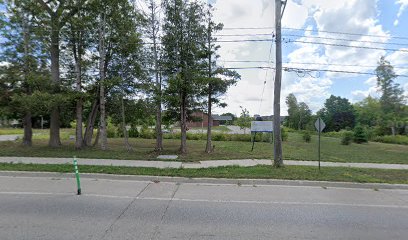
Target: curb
x,y
267,182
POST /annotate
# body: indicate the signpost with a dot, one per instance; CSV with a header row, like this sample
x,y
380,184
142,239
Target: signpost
x,y
319,125
260,126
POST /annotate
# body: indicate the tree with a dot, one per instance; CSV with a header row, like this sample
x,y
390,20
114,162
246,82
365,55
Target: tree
x,y
153,27
25,69
244,120
359,135
392,97
299,113
183,37
118,54
368,111
219,79
58,15
337,113
293,111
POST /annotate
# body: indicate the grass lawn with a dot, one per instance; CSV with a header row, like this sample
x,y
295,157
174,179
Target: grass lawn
x,y
294,149
258,172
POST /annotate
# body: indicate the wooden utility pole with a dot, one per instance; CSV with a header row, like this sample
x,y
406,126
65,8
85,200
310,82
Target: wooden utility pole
x,y
277,158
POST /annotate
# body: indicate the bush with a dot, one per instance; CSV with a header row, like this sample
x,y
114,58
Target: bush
x,y
284,134
359,135
347,137
306,136
397,139
111,131
146,133
133,132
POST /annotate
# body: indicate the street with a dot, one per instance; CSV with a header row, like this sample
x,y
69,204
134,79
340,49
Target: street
x,y
47,208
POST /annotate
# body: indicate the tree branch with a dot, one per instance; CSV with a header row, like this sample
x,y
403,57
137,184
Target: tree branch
x,y
72,12
45,6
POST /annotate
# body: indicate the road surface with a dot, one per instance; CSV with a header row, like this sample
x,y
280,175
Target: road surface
x,y
47,208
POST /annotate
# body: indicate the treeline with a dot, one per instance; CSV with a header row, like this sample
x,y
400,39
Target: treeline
x,y
108,60
369,118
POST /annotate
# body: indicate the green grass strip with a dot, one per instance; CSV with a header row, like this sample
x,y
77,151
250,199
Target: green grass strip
x,y
340,174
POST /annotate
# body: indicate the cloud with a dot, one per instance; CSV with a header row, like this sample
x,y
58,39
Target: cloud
x,y
372,91
403,5
348,16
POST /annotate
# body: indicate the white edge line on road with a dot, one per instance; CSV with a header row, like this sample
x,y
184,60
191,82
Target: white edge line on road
x,y
215,201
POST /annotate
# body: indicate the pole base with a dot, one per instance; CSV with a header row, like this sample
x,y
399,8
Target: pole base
x,y
79,192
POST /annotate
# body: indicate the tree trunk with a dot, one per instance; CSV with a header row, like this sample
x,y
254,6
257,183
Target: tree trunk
x,y
98,133
91,123
183,124
28,130
209,148
102,55
158,93
55,140
77,51
27,121
125,132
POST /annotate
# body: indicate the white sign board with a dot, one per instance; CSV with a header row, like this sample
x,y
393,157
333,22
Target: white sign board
x,y
261,126
319,125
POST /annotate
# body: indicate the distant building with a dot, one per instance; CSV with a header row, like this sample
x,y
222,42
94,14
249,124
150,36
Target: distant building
x,y
269,118
200,119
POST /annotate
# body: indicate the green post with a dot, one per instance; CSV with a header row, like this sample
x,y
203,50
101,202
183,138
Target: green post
x,y
77,176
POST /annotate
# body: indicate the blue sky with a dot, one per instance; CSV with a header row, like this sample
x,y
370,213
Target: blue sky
x,y
373,23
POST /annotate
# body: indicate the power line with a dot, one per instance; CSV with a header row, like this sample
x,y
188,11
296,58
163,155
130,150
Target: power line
x,y
312,63
349,40
266,74
311,30
351,46
290,69
346,33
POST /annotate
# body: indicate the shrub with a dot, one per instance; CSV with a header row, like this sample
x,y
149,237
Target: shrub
x,y
306,136
284,134
133,132
347,137
397,139
111,131
359,135
146,133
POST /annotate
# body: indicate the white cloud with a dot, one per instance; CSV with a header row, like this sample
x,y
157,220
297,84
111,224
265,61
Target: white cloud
x,y
349,16
403,5
372,91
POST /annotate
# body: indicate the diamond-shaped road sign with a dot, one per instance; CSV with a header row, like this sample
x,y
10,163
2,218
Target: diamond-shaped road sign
x,y
321,126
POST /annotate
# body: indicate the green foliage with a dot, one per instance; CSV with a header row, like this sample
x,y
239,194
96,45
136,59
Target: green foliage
x,y
133,132
397,139
244,120
360,135
299,113
347,137
337,113
284,134
146,132
306,136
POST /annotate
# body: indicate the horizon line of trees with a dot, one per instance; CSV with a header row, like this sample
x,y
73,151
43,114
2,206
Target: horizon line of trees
x,y
386,115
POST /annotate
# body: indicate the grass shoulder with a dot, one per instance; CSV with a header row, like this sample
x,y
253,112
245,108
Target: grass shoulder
x,y
337,174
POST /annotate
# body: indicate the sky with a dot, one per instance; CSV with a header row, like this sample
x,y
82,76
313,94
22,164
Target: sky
x,y
377,27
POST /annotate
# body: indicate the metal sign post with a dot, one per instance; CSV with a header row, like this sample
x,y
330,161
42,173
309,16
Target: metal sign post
x,y
319,125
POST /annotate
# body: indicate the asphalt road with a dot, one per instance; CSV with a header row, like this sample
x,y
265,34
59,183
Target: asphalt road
x,y
47,208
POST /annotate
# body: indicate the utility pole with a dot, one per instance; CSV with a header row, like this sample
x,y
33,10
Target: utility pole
x,y
277,158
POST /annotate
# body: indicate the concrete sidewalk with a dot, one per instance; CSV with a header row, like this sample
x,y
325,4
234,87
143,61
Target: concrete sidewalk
x,y
14,137
200,164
